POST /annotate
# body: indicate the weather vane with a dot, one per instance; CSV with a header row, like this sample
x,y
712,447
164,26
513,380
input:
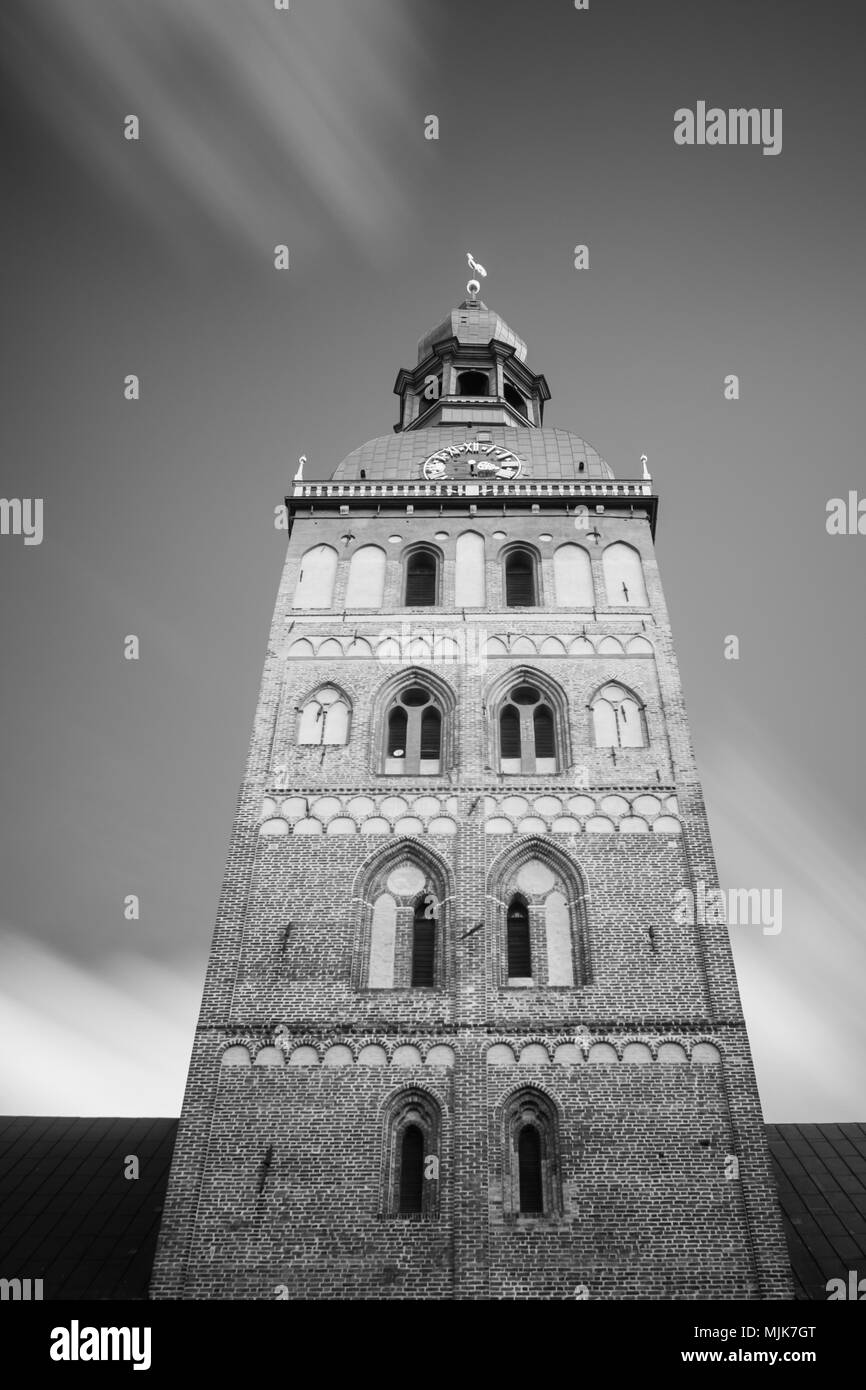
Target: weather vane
x,y
473,289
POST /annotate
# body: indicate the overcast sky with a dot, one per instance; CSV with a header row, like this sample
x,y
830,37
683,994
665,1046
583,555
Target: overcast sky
x,y
556,128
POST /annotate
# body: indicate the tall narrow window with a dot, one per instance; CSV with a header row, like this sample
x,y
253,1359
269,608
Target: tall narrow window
x,y
431,736
414,736
411,1198
324,718
532,1184
542,724
413,1125
542,927
520,580
421,568
509,738
397,722
423,947
527,733
529,1165
519,948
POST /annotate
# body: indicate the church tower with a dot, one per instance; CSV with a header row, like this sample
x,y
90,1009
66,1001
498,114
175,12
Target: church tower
x,y
461,1035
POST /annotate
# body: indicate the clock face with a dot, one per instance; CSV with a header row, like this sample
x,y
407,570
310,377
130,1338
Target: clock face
x,y
459,462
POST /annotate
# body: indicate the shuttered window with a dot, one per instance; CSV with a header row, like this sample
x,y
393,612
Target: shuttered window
x,y
397,721
421,579
529,1169
519,580
542,721
509,732
423,948
431,734
411,1198
519,949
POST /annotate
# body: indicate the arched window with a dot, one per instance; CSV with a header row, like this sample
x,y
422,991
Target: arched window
x,y
532,1183
473,384
414,741
527,737
423,945
618,719
410,1178
515,400
403,921
411,1186
530,1179
324,718
623,576
421,579
366,587
518,940
572,571
316,577
520,585
469,571
542,933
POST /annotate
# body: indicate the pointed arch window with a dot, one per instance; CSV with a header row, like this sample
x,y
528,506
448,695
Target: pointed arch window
x,y
413,1137
530,1173
527,732
411,1189
403,921
422,579
521,589
324,718
531,1160
423,946
518,944
542,932
618,719
414,734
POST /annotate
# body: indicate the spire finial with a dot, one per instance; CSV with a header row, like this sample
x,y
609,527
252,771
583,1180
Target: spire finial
x,y
473,288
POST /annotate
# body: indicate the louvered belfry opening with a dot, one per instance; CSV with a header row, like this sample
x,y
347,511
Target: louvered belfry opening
x,y
509,732
529,1171
519,580
431,734
519,948
423,947
411,1198
542,719
397,721
421,580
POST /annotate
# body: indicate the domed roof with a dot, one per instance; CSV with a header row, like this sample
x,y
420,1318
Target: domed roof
x,y
546,455
472,322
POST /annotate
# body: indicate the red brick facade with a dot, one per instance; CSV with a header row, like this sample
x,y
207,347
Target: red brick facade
x,y
280,1180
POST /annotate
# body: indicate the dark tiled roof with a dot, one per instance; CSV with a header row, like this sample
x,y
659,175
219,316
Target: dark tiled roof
x,y
68,1216
821,1178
